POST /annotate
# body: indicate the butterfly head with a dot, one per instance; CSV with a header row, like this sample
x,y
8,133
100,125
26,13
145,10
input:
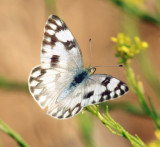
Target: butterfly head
x,y
90,70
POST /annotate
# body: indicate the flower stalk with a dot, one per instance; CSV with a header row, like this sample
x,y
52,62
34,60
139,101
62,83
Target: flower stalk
x,y
114,127
126,49
6,129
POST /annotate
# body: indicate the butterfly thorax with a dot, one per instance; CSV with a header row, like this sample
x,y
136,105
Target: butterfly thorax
x,y
82,75
90,70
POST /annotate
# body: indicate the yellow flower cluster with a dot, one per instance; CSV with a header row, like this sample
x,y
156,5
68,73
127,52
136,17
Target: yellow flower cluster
x,y
134,2
157,134
126,47
155,143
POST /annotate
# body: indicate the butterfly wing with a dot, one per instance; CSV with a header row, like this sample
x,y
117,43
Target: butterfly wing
x,y
60,58
45,85
59,47
100,88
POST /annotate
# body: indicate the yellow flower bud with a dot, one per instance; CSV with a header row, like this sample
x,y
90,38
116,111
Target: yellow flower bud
x,y
144,45
114,39
152,144
157,133
125,49
137,39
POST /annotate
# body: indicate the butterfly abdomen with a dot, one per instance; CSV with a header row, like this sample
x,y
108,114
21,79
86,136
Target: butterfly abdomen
x,y
78,78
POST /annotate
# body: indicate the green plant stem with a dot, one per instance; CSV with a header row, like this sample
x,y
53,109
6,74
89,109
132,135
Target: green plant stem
x,y
134,10
6,129
149,73
130,27
11,85
86,127
125,106
51,6
114,127
137,89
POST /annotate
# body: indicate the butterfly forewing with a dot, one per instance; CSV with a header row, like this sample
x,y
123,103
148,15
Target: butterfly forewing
x,y
59,47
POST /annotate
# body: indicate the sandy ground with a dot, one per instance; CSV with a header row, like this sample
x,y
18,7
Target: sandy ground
x,y
21,29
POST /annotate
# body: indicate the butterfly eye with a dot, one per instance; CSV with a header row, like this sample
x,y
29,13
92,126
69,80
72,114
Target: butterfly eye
x,y
93,70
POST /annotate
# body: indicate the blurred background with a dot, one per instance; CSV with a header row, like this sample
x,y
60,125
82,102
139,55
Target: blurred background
x,y
21,32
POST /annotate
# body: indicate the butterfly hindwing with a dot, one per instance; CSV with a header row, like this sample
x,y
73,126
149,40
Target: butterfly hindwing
x,y
100,88
69,106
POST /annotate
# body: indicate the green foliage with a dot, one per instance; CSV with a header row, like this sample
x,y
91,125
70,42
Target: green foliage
x,y
6,129
134,83
51,6
136,9
86,126
114,127
132,109
11,85
149,72
155,143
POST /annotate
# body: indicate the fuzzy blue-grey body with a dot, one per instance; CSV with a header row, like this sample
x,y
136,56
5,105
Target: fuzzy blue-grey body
x,y
80,76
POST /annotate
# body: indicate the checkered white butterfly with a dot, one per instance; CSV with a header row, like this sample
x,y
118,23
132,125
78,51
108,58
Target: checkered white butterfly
x,y
60,82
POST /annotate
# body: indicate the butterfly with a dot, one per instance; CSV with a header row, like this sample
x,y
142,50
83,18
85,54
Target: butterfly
x,y
61,83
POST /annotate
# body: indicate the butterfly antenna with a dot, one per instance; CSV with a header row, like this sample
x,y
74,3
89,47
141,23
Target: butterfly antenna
x,y
90,49
120,65
110,66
